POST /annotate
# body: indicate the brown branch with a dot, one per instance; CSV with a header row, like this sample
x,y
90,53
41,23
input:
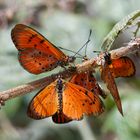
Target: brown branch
x,y
131,47
23,89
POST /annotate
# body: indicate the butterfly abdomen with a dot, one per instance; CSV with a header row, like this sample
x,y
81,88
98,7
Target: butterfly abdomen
x,y
59,91
60,118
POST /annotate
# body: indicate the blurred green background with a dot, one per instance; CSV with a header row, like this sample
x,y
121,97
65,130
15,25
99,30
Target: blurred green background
x,y
66,23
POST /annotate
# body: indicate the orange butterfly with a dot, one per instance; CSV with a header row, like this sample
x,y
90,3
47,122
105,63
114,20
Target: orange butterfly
x,y
88,81
122,67
113,68
36,53
64,101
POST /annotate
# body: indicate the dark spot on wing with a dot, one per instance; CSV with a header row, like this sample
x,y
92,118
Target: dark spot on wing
x,y
91,103
42,41
86,92
82,79
92,90
35,45
95,87
83,104
33,36
86,101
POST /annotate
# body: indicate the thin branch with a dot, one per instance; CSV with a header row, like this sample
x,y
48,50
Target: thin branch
x,y
132,47
23,89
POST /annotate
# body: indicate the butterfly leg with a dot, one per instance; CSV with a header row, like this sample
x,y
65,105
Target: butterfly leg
x,y
2,102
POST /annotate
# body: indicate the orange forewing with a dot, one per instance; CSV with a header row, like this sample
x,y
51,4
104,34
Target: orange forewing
x,y
122,67
108,78
36,53
88,81
76,101
44,104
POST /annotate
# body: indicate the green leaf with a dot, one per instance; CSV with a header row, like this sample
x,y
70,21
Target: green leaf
x,y
125,23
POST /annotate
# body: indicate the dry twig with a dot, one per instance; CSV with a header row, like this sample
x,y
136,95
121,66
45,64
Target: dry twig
x,y
132,47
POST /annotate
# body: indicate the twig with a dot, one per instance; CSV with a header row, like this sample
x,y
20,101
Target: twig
x,y
23,89
132,46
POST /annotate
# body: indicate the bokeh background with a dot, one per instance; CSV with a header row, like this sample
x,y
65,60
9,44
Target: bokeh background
x,y
66,23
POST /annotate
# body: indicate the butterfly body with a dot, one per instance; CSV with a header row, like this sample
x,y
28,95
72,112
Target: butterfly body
x,y
36,53
60,118
59,88
64,101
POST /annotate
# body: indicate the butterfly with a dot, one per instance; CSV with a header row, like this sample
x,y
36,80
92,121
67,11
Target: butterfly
x,y
113,68
122,67
88,81
36,53
64,101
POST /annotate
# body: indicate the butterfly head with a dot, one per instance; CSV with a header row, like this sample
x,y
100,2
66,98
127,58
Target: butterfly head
x,y
71,59
85,58
107,57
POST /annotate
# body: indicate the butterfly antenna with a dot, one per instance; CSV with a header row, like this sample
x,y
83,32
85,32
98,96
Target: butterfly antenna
x,y
84,44
90,32
69,51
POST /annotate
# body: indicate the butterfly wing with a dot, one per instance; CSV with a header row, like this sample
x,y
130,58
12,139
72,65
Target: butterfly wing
x,y
88,81
122,67
44,104
108,78
60,118
78,101
36,53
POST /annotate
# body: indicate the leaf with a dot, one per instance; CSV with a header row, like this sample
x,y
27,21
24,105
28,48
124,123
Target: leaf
x,y
123,24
